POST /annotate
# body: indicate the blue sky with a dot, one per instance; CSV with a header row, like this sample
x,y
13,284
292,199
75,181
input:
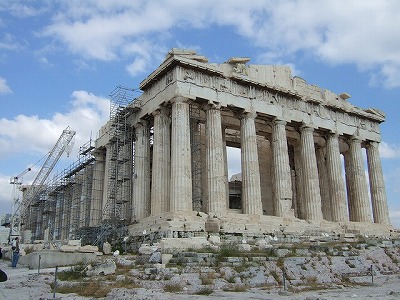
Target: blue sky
x,y
59,60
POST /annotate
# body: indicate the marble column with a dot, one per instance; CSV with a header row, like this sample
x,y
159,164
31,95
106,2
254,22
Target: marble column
x,y
97,189
160,182
251,190
106,183
335,178
312,195
215,159
281,174
377,185
349,187
141,177
360,208
225,166
299,187
323,184
181,173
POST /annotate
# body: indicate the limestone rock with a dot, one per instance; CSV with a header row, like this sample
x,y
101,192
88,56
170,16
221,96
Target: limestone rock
x,y
155,258
106,268
106,248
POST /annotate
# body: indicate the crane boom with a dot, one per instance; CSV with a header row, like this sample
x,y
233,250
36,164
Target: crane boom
x,y
37,185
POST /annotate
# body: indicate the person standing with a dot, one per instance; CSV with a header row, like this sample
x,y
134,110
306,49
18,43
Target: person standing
x,y
15,248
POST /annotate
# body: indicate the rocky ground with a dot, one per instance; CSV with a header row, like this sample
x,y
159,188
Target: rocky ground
x,y
322,272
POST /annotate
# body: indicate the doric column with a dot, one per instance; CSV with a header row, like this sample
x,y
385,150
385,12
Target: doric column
x,y
360,210
181,174
141,177
377,185
161,172
335,178
251,191
349,187
299,187
323,184
97,188
225,167
312,195
106,183
281,175
215,159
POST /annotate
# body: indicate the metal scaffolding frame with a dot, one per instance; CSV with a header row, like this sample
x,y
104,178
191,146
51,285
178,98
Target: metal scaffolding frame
x,y
120,163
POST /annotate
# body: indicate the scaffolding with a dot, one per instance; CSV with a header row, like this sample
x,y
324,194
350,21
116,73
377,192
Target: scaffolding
x,y
120,163
63,207
116,212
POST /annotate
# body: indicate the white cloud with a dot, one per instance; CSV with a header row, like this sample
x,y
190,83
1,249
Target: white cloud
x,y
21,9
8,42
6,194
4,88
389,150
362,33
395,218
30,133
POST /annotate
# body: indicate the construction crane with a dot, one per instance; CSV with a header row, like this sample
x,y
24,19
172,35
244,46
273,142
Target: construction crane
x,y
16,181
22,212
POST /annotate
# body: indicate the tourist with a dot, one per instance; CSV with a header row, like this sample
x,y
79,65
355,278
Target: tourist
x,y
15,249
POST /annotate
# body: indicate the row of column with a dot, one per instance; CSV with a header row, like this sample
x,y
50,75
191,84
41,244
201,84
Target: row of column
x,y
171,182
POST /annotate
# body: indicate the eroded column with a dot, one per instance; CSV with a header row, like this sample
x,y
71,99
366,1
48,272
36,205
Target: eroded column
x,y
360,206
335,178
281,175
323,184
251,191
311,192
97,188
215,159
377,185
299,187
181,174
161,172
141,177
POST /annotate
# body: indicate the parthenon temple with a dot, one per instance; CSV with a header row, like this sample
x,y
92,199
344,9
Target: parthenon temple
x,y
160,164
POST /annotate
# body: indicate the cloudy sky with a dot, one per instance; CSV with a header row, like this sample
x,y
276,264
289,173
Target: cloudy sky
x,y
60,59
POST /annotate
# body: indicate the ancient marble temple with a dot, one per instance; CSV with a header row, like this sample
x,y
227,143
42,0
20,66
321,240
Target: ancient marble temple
x,y
302,166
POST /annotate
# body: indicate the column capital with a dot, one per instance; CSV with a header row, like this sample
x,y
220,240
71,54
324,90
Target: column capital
x,y
374,144
141,123
332,134
248,114
161,111
211,105
305,127
179,99
355,139
278,121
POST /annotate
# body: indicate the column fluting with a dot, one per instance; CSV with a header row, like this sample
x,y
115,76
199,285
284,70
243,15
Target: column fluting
x,y
181,169
141,177
281,175
311,192
335,177
251,190
377,185
361,211
160,183
215,159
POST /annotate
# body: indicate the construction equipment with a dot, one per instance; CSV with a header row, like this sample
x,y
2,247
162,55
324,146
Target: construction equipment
x,y
30,198
16,181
